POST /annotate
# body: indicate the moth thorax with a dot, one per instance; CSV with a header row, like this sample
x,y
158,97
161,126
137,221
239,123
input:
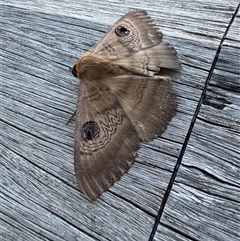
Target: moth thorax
x,y
93,67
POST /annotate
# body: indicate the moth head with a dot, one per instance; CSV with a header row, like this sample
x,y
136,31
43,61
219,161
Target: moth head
x,y
73,70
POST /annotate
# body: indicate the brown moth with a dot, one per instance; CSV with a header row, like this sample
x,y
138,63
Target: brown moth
x,y
122,99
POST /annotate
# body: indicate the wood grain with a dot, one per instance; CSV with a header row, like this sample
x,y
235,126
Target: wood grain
x,y
39,195
204,200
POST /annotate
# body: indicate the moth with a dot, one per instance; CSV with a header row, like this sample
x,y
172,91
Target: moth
x,y
123,98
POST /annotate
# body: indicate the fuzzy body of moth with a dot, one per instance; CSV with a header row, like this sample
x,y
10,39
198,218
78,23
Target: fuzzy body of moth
x,y
96,68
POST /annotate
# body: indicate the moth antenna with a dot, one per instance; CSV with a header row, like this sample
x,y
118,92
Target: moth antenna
x,y
71,117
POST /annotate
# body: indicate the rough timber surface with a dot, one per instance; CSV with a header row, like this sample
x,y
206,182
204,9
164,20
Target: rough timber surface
x,y
39,196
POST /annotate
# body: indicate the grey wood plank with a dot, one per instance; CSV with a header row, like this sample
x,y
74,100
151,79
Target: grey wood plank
x,y
204,200
233,36
200,214
36,108
52,95
168,234
40,204
197,10
39,95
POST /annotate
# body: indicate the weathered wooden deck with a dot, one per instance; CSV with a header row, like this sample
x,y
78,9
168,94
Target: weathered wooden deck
x,y
183,186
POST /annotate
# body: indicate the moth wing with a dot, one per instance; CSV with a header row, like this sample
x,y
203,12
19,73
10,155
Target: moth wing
x,y
149,62
142,50
105,141
149,102
142,33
